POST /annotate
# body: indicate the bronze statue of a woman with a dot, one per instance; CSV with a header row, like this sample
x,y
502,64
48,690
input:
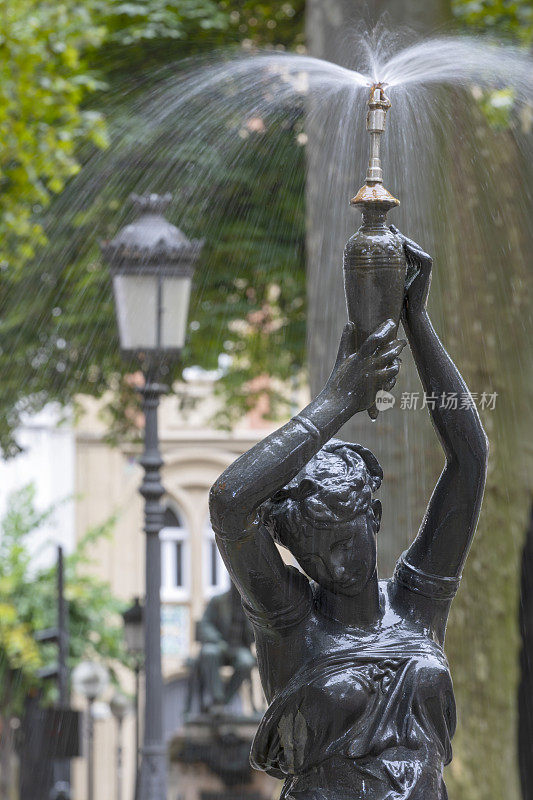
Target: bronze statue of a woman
x,y
360,697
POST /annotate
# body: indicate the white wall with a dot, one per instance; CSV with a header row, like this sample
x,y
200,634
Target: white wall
x,y
47,461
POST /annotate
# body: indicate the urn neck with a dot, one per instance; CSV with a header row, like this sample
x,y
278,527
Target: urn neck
x,y
373,217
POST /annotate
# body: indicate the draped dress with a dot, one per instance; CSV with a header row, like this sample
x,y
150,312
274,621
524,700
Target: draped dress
x,y
357,713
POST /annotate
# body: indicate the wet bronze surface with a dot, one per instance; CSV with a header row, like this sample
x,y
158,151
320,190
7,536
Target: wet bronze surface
x,y
360,696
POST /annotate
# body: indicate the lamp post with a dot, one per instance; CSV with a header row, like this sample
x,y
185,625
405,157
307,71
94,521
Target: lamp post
x,y
120,707
151,264
90,679
134,635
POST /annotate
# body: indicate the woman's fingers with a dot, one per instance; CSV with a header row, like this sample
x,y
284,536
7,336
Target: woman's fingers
x,y
383,334
415,253
411,247
383,357
382,376
412,271
373,412
409,243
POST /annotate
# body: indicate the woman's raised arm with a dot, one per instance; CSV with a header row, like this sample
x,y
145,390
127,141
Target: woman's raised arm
x,y
449,524
248,550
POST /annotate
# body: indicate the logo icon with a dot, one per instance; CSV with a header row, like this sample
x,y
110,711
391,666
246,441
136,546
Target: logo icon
x,y
384,400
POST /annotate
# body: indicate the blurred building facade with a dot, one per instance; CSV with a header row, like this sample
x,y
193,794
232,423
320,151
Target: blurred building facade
x,y
107,481
75,461
46,461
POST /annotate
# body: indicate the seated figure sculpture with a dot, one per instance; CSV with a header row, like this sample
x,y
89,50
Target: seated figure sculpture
x,y
360,696
226,637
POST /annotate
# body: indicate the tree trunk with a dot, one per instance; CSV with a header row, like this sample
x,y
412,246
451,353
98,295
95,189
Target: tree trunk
x,y
487,326
525,688
400,440
475,223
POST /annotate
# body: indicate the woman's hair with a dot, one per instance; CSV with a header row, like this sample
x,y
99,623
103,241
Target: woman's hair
x,y
336,485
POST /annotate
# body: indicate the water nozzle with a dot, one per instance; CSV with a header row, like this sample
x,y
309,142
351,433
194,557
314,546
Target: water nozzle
x,y
378,105
373,192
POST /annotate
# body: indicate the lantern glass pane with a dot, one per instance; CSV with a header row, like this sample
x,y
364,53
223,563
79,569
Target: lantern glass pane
x,y
136,305
176,293
134,636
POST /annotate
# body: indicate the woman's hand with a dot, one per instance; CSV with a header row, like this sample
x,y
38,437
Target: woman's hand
x,y
418,279
356,377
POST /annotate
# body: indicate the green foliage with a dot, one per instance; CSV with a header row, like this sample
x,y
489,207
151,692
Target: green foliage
x,y
280,24
19,655
59,310
510,18
197,24
132,22
58,62
497,107
254,307
49,54
43,80
248,300
29,600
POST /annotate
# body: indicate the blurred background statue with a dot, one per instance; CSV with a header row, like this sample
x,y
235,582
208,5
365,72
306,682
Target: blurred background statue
x,y
226,637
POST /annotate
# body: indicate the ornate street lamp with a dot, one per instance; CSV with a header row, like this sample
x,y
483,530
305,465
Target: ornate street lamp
x,y
120,708
134,635
133,618
151,264
90,679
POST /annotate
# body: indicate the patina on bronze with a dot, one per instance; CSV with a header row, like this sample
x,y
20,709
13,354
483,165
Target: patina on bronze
x,y
360,696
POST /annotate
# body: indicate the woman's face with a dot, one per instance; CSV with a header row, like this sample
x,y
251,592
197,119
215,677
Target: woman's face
x,y
343,557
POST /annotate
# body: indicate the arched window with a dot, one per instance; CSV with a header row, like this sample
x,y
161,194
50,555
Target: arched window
x,y
216,577
175,558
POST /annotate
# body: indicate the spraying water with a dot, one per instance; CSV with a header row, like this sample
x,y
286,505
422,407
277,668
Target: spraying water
x,y
211,129
198,129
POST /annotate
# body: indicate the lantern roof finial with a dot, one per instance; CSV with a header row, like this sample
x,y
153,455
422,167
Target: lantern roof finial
x,y
151,203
